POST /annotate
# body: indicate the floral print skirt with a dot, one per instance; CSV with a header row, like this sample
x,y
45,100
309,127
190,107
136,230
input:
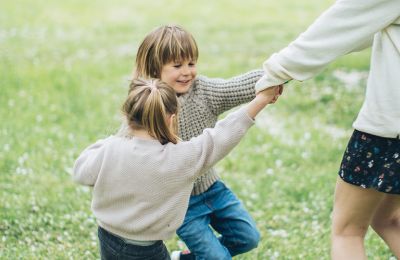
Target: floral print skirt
x,y
373,162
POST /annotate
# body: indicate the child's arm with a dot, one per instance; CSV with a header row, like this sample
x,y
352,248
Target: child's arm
x,y
87,166
262,99
215,143
224,94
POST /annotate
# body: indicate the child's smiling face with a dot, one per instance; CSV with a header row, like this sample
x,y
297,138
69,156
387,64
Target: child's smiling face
x,y
179,75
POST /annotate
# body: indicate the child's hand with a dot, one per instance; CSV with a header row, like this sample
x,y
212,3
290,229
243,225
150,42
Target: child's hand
x,y
270,95
263,98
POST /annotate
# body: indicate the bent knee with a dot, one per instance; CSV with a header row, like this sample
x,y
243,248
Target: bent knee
x,y
253,240
249,241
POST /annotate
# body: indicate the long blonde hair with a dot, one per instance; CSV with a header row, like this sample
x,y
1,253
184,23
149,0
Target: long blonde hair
x,y
162,45
149,103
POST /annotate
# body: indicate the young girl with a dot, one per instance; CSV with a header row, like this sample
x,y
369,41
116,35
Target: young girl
x,y
170,53
368,187
142,182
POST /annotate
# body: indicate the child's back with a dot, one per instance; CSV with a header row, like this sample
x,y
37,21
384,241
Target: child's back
x,y
142,182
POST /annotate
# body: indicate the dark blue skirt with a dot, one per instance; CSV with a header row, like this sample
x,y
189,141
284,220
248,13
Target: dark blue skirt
x,y
373,162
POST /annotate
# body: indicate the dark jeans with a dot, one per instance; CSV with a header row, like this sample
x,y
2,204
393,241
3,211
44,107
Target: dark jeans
x,y
113,247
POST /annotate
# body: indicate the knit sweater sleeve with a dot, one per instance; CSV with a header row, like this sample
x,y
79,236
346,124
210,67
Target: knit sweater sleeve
x,y
88,164
348,25
224,94
215,143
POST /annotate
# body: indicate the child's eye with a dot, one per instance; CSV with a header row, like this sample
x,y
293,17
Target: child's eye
x,y
192,64
177,65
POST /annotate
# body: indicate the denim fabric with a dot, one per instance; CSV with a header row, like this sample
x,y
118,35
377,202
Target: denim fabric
x,y
113,247
219,208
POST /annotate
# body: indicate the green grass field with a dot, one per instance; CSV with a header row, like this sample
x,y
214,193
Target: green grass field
x,y
64,70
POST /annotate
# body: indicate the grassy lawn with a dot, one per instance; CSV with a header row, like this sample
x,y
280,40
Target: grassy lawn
x,y
64,70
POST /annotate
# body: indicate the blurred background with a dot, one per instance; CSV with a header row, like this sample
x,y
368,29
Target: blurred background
x,y
64,72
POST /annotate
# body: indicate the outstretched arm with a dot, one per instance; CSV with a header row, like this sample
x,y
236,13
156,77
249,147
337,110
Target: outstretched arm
x,y
262,99
347,26
215,143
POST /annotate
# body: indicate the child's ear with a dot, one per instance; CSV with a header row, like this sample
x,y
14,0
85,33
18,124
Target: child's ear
x,y
171,120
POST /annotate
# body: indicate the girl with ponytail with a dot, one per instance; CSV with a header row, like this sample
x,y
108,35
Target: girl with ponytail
x,y
142,181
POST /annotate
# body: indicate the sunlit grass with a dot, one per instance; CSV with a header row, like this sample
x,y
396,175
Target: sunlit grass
x,y
64,70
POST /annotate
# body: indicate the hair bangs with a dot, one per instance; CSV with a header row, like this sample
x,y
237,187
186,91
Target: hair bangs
x,y
179,47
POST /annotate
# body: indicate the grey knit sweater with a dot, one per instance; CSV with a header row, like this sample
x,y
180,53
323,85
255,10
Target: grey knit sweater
x,y
141,188
205,101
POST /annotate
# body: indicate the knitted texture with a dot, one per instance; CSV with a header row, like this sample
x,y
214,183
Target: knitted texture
x,y
206,100
141,188
200,107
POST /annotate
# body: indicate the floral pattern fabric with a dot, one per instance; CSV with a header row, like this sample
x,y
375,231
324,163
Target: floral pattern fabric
x,y
372,162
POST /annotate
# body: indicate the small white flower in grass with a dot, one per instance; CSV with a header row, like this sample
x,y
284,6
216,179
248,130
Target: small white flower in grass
x,y
307,136
11,103
21,171
22,93
22,159
71,137
275,255
278,233
254,196
39,118
28,240
249,203
269,171
278,163
305,155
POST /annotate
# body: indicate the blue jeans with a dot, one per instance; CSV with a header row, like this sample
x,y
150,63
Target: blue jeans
x,y
219,208
113,247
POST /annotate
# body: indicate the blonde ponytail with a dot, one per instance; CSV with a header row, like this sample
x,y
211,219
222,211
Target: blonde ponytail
x,y
149,103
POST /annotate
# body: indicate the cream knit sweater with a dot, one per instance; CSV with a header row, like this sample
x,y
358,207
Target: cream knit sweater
x,y
347,26
200,107
141,188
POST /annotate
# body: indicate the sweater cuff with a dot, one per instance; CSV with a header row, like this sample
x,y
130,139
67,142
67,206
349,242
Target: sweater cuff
x,y
245,117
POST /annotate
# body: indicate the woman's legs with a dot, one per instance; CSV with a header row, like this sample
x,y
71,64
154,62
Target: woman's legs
x,y
386,222
354,209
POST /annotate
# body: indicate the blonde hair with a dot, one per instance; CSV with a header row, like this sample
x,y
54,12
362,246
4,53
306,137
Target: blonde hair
x,y
161,46
147,106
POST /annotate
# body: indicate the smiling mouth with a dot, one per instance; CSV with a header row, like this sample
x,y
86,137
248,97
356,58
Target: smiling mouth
x,y
184,81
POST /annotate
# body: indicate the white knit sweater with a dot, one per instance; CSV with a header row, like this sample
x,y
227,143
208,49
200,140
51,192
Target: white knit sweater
x,y
347,26
141,187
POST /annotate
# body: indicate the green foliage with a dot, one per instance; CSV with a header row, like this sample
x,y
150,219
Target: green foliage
x,y
65,67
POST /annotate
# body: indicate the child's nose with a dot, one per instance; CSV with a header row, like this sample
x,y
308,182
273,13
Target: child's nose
x,y
185,70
